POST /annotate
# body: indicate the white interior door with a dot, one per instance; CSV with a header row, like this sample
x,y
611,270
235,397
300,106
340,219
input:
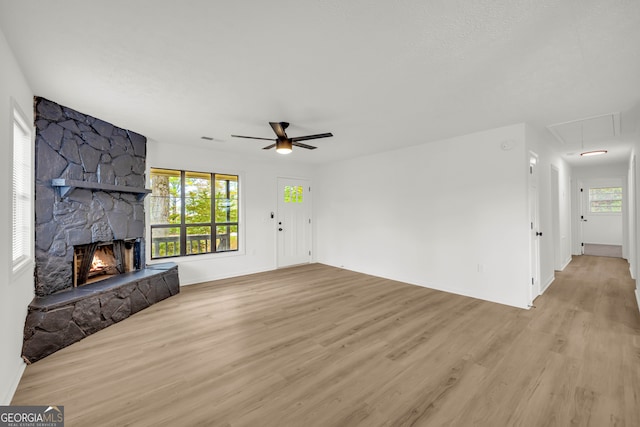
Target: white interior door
x,y
294,222
583,221
535,233
555,218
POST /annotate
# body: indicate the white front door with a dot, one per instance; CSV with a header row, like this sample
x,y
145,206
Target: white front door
x,y
294,222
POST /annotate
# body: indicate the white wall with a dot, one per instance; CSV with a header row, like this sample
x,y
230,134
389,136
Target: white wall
x,y
632,120
605,226
450,215
635,221
565,211
15,292
258,179
632,209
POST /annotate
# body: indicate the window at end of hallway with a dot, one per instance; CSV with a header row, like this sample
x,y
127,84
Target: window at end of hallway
x,y
605,200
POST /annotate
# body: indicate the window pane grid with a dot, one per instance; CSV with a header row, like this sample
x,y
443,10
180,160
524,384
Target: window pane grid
x,y
293,194
605,200
182,202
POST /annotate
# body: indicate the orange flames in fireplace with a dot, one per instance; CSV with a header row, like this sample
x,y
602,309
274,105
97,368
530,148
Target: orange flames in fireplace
x,y
103,262
97,263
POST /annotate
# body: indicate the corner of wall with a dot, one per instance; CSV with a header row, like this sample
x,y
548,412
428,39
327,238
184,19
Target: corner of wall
x,y
13,385
547,283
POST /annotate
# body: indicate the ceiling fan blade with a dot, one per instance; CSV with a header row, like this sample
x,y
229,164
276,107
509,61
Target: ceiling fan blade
x,y
279,128
269,147
299,144
253,137
308,137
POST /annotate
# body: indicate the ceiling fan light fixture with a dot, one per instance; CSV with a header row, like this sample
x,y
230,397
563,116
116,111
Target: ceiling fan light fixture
x,y
593,153
283,146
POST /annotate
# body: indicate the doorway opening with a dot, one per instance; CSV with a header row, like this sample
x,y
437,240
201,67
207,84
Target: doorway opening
x,y
601,217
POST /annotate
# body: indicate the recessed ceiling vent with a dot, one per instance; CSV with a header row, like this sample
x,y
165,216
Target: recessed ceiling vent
x,y
583,131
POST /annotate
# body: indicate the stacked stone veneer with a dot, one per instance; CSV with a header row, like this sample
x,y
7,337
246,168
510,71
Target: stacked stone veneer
x,y
78,147
73,146
58,320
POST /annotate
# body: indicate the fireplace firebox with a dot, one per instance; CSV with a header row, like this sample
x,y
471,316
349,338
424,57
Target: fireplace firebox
x,y
97,261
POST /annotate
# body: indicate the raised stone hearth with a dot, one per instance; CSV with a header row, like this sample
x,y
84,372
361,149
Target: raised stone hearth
x,y
58,320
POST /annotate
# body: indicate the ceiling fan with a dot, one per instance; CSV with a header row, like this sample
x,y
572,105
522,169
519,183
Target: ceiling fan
x,y
283,143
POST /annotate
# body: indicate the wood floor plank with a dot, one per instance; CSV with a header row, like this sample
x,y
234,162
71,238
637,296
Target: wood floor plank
x,y
321,346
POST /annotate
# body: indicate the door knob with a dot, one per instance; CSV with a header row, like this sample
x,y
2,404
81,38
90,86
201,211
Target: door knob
x,y
279,229
538,233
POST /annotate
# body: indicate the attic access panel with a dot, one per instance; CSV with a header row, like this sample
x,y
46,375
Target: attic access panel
x,y
575,133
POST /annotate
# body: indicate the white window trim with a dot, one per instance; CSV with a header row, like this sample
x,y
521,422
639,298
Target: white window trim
x,y
24,262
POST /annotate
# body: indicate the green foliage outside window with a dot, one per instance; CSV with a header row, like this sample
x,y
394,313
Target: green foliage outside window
x,y
293,194
605,200
184,198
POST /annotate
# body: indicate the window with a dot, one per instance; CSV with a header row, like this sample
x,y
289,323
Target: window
x,y
605,200
186,220
21,191
293,194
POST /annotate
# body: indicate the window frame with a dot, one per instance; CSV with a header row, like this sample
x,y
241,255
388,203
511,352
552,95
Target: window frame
x,y
183,225
24,221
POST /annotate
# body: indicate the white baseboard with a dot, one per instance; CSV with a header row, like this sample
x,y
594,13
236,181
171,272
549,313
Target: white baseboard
x,y
566,263
547,283
6,400
197,279
638,298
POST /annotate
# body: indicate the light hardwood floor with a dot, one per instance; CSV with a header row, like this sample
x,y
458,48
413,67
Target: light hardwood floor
x,y
320,346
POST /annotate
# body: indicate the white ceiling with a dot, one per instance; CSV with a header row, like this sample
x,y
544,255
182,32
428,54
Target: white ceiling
x,y
378,74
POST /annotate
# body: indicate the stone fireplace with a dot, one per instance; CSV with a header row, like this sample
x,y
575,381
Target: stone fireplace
x,y
89,230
